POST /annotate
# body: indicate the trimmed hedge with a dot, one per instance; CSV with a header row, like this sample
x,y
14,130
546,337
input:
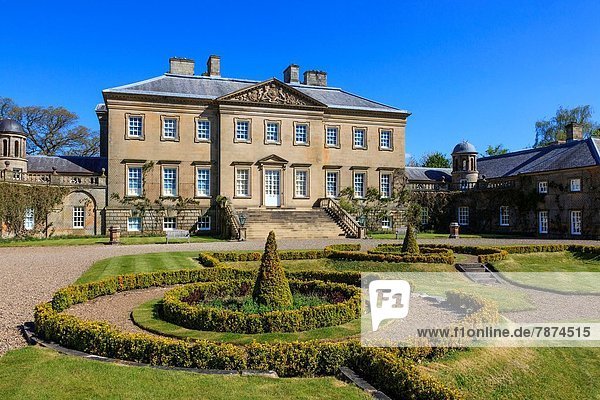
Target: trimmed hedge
x,y
256,256
176,308
441,258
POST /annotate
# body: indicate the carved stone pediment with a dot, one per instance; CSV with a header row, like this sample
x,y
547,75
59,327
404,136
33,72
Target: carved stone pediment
x,y
272,92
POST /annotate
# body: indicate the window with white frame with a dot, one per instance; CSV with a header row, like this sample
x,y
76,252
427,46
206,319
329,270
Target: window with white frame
x,y
169,184
202,182
385,140
242,182
331,183
424,216
242,131
301,134
78,217
272,132
464,184
386,222
203,130
301,183
359,184
203,223
29,220
543,221
463,215
332,136
385,185
135,125
543,187
134,181
504,216
170,128
134,224
576,222
576,185
169,223
360,138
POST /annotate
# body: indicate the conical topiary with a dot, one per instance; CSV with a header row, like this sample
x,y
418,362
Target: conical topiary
x,y
410,244
272,288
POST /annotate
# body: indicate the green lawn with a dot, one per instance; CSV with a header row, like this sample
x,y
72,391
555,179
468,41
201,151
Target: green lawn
x,y
145,316
35,373
88,240
529,269
522,373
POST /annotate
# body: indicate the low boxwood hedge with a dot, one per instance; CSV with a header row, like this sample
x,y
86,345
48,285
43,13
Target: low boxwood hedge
x,y
446,257
344,306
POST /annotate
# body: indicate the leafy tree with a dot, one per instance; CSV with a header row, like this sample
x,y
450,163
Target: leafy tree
x,y
272,288
436,160
372,206
52,130
495,150
410,244
550,130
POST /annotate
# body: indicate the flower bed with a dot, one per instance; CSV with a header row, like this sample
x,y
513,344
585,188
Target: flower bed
x,y
184,306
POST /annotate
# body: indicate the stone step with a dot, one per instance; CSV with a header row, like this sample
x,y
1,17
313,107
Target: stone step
x,y
291,223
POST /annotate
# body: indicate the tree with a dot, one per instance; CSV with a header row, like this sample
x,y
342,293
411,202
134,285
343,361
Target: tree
x,y
550,130
436,160
495,150
410,244
272,288
52,130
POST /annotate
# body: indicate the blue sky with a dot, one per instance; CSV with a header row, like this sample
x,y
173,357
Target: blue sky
x,y
478,70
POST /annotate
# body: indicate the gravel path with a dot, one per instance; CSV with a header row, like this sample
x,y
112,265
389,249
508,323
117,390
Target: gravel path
x,y
29,275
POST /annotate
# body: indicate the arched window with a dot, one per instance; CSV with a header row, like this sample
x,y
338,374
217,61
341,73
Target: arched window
x,y
5,148
464,166
17,150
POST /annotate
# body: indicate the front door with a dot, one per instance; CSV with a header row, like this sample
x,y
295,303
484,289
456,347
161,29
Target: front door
x,y
272,188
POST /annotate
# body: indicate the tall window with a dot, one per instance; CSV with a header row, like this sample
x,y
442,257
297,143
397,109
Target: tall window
x,y
359,184
332,137
78,217
272,132
242,183
360,138
169,182
504,216
134,224
385,187
135,126
169,223
576,222
203,182
463,215
203,223
424,216
543,187
301,134
543,221
29,220
242,131
576,185
386,222
170,128
301,184
134,181
203,130
331,183
17,151
385,140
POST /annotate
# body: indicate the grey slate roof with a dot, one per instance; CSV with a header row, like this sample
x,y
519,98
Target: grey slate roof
x,y
424,174
203,87
574,154
66,164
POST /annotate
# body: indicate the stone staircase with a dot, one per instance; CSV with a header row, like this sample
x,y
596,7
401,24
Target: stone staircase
x,y
291,223
479,273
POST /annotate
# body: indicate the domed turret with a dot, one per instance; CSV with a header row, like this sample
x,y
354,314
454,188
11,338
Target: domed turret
x,y
13,147
464,165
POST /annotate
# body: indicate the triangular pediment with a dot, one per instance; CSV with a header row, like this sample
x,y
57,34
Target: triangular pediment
x,y
272,92
272,159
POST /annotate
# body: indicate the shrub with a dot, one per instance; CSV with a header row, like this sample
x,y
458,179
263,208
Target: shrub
x,y
255,256
410,244
445,258
271,288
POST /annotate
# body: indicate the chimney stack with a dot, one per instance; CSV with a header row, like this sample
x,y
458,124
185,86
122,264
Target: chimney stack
x,y
213,66
291,74
315,78
574,131
181,66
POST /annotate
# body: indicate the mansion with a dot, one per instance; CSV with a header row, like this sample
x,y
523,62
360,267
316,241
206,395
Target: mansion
x,y
210,154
